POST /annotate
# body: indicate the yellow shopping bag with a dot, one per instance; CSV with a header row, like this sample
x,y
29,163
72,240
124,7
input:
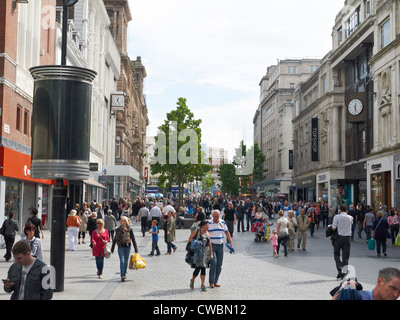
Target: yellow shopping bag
x,y
136,262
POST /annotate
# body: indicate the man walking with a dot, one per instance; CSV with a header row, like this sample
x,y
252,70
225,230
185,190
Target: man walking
x,y
343,223
303,223
230,217
217,230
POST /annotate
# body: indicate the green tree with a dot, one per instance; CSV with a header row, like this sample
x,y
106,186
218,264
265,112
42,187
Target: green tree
x,y
177,156
207,182
229,179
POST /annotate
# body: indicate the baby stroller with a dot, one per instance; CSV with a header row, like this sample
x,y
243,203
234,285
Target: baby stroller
x,y
262,231
259,232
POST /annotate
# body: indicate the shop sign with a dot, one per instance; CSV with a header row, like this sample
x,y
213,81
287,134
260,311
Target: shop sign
x,y
314,139
376,167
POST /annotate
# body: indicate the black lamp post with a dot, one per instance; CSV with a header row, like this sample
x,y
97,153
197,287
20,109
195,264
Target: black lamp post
x,y
61,137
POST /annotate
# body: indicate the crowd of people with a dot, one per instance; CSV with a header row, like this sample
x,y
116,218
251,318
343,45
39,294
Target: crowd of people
x,y
215,220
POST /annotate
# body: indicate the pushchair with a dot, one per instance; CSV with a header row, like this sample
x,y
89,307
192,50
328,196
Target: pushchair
x,y
262,231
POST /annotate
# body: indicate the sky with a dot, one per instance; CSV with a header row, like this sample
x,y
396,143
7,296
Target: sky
x,y
215,52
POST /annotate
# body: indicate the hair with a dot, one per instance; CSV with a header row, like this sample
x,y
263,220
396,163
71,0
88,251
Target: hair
x,y
72,213
203,223
29,227
126,219
343,208
109,211
155,221
21,247
280,213
34,211
388,274
200,209
379,214
100,221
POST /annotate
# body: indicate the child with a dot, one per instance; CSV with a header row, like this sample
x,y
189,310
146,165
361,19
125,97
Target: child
x,y
154,236
274,242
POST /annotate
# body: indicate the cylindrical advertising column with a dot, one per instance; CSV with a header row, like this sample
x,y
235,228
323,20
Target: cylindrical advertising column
x,y
60,142
61,122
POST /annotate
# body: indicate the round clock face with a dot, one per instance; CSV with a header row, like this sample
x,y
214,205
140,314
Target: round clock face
x,y
355,107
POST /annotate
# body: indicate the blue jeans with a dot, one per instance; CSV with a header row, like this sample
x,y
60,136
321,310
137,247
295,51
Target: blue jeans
x,y
100,264
216,262
123,253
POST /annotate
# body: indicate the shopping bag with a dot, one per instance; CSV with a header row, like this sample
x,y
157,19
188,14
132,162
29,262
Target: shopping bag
x,y
138,262
371,244
397,243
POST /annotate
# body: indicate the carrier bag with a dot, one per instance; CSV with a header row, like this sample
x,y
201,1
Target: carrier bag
x,y
137,262
397,243
371,244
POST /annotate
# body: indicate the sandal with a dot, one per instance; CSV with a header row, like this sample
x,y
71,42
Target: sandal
x,y
191,284
203,288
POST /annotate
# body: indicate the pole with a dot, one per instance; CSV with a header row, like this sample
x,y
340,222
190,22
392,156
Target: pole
x,y
58,222
64,36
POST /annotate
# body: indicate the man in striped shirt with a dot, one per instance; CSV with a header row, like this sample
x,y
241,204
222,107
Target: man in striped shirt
x,y
218,230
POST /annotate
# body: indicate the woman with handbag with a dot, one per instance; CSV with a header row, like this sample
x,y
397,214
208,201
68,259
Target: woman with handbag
x,y
100,238
123,238
203,255
380,232
283,232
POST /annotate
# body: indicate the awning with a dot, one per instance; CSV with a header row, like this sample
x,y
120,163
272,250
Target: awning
x,y
94,183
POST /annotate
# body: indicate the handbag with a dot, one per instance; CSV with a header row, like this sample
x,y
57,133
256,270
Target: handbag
x,y
106,249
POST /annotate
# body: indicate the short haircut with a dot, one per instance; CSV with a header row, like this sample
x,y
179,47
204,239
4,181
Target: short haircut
x,y
343,208
21,247
388,274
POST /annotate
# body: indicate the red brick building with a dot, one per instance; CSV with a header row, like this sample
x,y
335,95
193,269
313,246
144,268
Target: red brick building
x,y
27,39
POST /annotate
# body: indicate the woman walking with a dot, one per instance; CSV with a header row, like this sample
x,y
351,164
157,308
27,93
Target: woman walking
x,y
34,243
393,221
123,238
202,255
170,233
100,238
283,232
73,224
380,231
82,229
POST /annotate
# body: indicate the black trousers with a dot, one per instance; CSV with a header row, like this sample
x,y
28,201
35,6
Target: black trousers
x,y
341,251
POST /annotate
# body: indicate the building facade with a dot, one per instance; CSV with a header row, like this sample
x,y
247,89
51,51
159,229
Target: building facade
x,y
26,40
272,122
125,178
91,45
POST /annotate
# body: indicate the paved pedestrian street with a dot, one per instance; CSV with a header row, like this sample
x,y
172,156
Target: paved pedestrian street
x,y
252,273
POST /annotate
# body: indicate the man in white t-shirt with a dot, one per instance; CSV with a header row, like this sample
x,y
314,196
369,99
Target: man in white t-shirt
x,y
218,231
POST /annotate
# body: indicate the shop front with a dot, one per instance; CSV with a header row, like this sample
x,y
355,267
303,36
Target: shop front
x,y
380,182
19,193
121,181
306,188
396,170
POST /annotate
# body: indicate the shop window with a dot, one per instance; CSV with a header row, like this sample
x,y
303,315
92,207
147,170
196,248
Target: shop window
x,y
12,198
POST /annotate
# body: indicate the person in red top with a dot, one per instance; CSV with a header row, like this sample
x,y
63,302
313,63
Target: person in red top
x,y
100,238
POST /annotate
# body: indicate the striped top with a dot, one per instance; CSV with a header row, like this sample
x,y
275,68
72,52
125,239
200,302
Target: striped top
x,y
217,231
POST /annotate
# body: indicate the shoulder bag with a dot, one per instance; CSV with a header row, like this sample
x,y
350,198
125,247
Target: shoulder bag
x,y
106,249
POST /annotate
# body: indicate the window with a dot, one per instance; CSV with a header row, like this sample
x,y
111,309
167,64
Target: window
x,y
313,68
367,8
353,22
19,118
385,34
26,122
292,70
340,36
